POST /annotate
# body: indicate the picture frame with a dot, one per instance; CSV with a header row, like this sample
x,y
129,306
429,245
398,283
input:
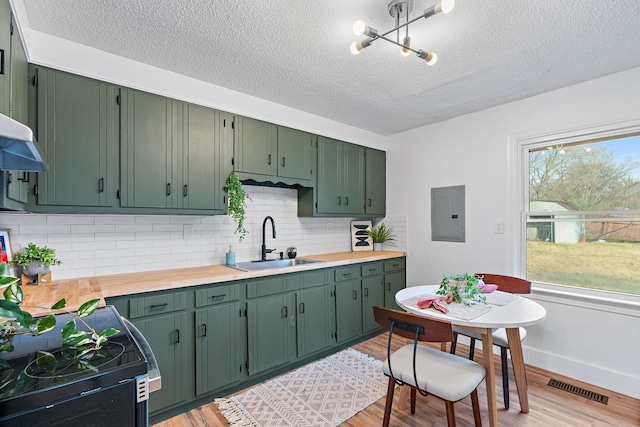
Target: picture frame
x,y
5,244
360,240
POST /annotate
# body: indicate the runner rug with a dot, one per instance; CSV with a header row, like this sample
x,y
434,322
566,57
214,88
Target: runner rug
x,y
323,393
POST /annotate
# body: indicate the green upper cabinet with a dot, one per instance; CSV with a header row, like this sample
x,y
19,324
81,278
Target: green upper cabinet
x,y
148,172
295,154
256,147
77,129
199,157
13,101
341,177
375,183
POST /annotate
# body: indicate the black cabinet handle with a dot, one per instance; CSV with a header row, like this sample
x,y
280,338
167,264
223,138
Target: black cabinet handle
x,y
9,178
185,191
372,269
339,200
101,185
395,265
301,307
163,305
346,274
177,335
168,188
369,202
346,199
1,61
218,296
366,292
355,294
388,286
283,161
269,159
203,328
285,311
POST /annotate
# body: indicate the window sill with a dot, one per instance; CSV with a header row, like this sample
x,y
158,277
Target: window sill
x,y
594,299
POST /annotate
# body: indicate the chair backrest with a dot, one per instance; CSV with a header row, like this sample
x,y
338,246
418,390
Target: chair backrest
x,y
515,285
405,325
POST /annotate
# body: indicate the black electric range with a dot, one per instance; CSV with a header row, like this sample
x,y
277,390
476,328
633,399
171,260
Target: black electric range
x,y
110,389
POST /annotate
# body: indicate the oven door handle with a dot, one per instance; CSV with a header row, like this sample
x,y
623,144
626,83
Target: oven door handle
x,y
155,380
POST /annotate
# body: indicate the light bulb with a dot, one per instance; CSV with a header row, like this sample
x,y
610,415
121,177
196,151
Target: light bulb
x,y
359,27
431,59
403,50
445,6
355,49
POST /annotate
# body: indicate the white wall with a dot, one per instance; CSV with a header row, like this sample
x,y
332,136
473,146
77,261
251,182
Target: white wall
x,y
91,245
588,338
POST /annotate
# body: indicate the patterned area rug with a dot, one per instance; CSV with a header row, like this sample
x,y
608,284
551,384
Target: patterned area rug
x,y
323,393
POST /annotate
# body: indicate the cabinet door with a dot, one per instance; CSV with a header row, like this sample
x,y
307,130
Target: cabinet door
x,y
329,179
218,338
77,129
256,148
353,177
316,314
5,50
146,153
348,310
166,335
393,282
199,185
376,182
372,295
272,331
224,163
294,153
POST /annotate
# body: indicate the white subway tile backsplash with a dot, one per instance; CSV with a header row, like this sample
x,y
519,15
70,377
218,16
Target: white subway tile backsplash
x,y
90,245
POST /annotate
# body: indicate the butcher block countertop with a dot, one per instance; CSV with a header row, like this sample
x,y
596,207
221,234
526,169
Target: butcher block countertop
x,y
39,298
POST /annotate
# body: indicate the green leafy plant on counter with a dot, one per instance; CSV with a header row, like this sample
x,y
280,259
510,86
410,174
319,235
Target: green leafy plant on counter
x,y
463,288
237,203
33,253
16,321
381,234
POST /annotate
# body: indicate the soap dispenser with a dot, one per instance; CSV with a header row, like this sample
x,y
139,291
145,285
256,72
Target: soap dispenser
x,y
231,256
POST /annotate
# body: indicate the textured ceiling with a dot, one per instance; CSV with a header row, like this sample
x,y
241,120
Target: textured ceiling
x,y
296,53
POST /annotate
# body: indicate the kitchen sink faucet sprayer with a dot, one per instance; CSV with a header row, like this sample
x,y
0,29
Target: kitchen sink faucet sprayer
x,y
264,250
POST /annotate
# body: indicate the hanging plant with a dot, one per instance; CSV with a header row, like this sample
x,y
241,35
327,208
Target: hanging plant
x,y
237,203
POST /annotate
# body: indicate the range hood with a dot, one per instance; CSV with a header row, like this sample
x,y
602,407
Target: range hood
x,y
18,148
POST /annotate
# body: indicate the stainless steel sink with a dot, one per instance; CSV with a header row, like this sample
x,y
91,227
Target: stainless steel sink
x,y
279,263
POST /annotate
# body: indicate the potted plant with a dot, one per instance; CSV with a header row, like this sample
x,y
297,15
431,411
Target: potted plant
x,y
36,260
463,288
237,203
381,234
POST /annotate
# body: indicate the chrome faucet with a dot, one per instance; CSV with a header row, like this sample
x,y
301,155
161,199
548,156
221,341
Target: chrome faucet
x,y
264,250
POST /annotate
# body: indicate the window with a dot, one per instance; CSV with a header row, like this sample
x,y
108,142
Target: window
x,y
582,212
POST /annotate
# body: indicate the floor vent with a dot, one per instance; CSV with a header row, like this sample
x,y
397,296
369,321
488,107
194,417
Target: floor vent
x,y
592,395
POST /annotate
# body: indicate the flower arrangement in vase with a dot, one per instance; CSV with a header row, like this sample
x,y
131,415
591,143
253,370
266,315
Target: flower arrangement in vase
x,y
463,288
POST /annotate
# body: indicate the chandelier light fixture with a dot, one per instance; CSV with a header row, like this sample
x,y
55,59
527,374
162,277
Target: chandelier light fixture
x,y
399,9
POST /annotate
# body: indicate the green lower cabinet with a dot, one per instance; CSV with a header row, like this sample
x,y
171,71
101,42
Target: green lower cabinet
x,y
395,279
272,331
316,319
218,341
348,310
167,336
372,295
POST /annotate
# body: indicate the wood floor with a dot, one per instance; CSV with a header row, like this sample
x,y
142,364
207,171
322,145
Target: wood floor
x,y
549,407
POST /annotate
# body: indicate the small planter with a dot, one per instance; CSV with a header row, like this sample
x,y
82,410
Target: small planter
x,y
33,269
377,246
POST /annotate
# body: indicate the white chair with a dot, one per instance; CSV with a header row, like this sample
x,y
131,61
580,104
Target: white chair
x,y
427,370
510,284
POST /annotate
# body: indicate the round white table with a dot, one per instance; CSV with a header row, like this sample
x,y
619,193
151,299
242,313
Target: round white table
x,y
521,312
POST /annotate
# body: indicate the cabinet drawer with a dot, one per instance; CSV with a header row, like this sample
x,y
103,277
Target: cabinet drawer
x,y
316,278
371,269
395,264
284,283
213,295
151,305
346,273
